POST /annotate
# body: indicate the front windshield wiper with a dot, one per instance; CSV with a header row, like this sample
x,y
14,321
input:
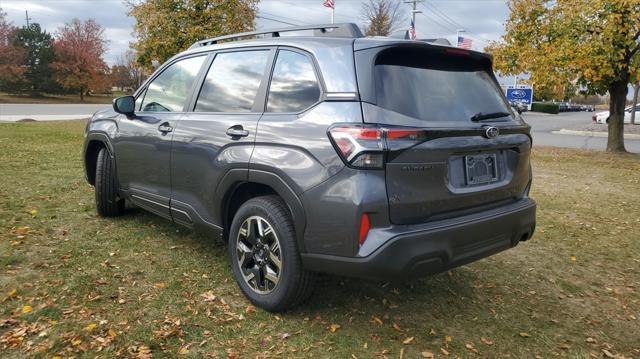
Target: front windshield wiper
x,y
487,116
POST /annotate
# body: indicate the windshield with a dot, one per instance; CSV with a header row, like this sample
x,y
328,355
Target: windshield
x,y
439,93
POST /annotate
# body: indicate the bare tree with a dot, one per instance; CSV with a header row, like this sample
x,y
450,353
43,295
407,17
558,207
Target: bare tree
x,y
382,17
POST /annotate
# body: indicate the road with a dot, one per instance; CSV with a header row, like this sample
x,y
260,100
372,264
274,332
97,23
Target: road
x,y
47,112
543,126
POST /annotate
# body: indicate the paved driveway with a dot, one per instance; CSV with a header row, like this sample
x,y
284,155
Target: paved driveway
x,y
47,112
543,126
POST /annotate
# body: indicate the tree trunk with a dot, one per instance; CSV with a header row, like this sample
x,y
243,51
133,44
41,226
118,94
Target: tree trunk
x,y
635,102
81,95
618,92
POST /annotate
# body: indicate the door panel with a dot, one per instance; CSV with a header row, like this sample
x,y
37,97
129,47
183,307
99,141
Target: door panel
x,y
143,141
218,136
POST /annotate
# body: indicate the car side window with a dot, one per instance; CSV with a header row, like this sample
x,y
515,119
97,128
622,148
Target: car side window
x,y
233,81
169,91
294,85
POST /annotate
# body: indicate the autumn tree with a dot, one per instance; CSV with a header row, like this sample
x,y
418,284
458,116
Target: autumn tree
x,y
594,43
165,27
37,45
79,48
11,57
382,17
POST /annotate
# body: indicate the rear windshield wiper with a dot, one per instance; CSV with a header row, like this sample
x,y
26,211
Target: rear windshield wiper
x,y
487,116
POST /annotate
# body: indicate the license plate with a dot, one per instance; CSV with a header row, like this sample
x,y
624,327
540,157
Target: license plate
x,y
481,169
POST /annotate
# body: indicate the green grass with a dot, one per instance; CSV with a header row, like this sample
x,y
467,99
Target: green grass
x,y
134,285
58,99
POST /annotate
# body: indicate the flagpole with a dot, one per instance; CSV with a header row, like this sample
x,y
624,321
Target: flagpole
x,y
333,9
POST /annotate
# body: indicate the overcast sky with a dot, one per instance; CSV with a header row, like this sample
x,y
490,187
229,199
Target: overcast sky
x,y
483,19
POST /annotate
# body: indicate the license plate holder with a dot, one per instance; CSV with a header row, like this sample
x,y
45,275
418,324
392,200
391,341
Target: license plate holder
x,y
481,168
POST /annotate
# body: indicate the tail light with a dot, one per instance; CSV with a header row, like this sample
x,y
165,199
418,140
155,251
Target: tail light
x,y
365,146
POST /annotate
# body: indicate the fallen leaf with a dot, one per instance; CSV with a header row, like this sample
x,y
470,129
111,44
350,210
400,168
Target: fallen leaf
x,y
486,341
208,296
448,338
444,351
27,309
249,309
408,340
470,347
591,340
524,335
334,328
12,293
90,327
397,327
573,258
33,212
427,355
112,333
608,353
183,351
160,285
377,320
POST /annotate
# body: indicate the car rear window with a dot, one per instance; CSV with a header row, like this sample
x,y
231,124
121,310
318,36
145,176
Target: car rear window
x,y
434,86
294,85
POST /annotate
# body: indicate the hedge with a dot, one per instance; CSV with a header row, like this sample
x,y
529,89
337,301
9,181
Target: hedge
x,y
546,107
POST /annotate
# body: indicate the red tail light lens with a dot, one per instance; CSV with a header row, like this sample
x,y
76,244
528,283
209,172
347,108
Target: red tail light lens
x,y
365,225
364,146
360,146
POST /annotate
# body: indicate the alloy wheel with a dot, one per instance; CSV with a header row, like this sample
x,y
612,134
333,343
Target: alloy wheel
x,y
258,254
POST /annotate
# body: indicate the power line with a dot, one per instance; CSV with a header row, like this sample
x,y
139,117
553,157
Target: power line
x,y
276,20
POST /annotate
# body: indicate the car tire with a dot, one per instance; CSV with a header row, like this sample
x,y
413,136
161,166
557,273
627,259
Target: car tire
x,y
264,255
108,202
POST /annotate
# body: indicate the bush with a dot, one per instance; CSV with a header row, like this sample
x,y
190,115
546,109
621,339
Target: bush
x,y
546,107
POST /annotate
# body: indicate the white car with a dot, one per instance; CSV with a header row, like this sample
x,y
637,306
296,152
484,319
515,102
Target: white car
x,y
603,117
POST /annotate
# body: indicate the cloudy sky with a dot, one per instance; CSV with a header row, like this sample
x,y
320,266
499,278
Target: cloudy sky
x,y
482,19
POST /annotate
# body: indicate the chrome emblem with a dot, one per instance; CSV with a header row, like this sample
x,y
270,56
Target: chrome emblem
x,y
491,132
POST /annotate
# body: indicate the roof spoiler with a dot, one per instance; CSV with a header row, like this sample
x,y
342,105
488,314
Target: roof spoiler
x,y
346,30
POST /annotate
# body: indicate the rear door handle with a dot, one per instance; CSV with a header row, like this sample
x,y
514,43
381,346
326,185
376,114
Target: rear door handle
x,y
165,127
237,131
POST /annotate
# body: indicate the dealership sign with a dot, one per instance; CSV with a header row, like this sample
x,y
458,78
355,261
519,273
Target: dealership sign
x,y
521,93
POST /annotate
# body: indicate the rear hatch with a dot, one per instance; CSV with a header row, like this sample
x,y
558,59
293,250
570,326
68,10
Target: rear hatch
x,y
453,143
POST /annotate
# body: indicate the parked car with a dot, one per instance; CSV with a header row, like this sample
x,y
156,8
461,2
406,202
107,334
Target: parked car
x,y
519,106
603,117
374,158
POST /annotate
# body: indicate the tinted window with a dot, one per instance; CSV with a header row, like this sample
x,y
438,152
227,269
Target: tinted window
x,y
232,82
436,87
169,91
294,85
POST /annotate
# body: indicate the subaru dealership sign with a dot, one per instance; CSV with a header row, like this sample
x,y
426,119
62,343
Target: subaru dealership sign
x,y
520,93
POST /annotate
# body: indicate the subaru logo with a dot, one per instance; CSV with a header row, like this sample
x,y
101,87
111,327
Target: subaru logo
x,y
518,94
491,132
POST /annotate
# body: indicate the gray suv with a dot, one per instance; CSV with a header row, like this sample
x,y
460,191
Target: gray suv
x,y
327,152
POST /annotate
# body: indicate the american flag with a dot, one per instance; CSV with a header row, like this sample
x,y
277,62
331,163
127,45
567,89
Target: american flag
x,y
464,42
412,31
329,3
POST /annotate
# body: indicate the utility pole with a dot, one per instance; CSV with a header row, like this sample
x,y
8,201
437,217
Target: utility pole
x,y
26,16
414,11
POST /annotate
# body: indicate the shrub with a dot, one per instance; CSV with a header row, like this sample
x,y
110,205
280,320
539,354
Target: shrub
x,y
546,107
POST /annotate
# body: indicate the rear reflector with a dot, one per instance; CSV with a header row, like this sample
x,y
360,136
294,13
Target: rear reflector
x,y
365,225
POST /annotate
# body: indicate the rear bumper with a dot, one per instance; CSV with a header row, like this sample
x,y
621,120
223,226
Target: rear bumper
x,y
415,251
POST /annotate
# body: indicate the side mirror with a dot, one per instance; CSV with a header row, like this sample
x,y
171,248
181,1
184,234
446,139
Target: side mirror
x,y
125,105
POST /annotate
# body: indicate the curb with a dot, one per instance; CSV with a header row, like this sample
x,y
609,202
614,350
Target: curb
x,y
564,131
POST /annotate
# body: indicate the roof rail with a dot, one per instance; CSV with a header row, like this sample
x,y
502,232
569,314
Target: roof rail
x,y
348,30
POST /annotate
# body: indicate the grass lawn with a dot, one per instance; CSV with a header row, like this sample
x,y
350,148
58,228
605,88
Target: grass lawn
x,y
77,285
57,99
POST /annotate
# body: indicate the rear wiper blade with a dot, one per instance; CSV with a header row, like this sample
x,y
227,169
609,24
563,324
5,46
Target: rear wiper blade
x,y
486,116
